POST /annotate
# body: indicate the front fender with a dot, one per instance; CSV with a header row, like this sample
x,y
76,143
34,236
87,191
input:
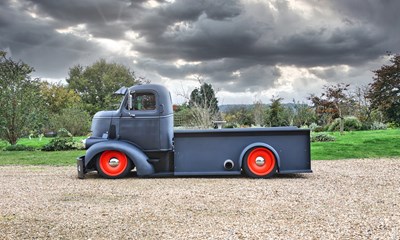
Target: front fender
x,y
143,167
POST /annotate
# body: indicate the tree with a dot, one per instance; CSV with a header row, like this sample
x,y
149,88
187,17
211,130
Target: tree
x,y
362,108
240,115
204,105
182,115
332,103
57,97
303,114
275,111
96,84
259,113
74,119
385,90
204,97
19,99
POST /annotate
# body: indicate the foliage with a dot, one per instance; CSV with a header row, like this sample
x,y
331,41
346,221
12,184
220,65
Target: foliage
x,y
378,126
95,84
362,108
19,99
275,113
63,141
303,114
385,90
62,132
322,137
313,126
259,113
333,103
203,105
74,120
204,97
61,144
182,116
57,97
239,116
18,147
349,124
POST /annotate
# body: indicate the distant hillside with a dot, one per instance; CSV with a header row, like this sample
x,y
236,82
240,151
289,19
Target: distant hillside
x,y
227,107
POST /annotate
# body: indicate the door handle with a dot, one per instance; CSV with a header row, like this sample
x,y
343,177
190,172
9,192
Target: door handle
x,y
132,115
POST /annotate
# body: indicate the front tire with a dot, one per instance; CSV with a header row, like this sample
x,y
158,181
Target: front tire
x,y
113,164
259,162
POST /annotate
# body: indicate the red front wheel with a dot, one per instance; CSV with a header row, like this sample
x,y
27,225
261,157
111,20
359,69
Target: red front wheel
x,y
113,164
259,162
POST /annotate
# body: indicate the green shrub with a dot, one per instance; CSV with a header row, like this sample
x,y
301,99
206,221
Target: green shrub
x,y
319,129
350,124
60,144
378,126
230,125
75,120
62,132
19,148
322,137
313,126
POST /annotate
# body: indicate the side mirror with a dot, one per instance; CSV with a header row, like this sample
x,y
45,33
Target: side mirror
x,y
130,107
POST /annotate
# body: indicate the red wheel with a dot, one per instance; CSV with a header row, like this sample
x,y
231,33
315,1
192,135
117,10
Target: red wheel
x,y
113,164
259,162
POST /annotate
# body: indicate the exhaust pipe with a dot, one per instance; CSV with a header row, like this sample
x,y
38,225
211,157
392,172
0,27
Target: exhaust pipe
x,y
228,164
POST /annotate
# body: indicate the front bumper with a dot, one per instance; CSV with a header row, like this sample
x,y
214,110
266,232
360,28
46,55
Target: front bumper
x,y
80,164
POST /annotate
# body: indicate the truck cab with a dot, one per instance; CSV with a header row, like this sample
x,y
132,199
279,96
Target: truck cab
x,y
144,120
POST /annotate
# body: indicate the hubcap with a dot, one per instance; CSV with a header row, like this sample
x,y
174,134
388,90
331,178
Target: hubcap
x,y
260,161
113,162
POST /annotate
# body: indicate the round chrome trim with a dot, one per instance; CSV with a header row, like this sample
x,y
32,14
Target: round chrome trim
x,y
113,162
260,161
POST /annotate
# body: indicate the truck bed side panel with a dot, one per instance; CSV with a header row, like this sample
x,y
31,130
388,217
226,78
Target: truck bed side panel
x,y
204,152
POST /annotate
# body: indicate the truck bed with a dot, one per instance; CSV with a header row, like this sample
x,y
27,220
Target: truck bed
x,y
203,152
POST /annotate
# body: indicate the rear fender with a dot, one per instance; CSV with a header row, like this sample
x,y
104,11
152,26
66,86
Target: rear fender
x,y
259,144
143,167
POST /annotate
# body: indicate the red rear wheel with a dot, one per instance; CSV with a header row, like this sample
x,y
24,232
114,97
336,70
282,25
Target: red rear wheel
x,y
113,164
259,162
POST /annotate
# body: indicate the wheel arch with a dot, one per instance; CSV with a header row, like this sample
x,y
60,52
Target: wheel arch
x,y
134,154
260,144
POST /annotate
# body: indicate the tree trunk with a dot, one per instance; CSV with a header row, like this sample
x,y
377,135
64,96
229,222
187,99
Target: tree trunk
x,y
341,124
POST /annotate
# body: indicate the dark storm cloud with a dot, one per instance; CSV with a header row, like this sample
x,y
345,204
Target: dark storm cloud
x,y
103,18
232,74
36,43
192,9
247,37
257,35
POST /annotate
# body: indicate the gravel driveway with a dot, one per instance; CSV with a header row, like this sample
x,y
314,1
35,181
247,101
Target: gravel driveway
x,y
347,199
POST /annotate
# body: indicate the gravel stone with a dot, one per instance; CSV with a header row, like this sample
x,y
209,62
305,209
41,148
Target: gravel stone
x,y
346,199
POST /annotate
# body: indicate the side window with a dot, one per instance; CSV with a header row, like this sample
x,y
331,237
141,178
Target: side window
x,y
144,101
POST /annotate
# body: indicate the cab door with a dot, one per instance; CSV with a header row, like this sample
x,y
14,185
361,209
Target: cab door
x,y
140,120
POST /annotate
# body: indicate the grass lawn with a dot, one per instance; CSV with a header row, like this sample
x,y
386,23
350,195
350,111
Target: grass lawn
x,y
60,158
358,144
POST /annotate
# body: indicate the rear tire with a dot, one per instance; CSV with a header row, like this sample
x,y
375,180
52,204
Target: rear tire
x,y
113,164
259,162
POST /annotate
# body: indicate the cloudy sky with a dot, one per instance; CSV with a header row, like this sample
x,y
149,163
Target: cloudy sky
x,y
248,49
